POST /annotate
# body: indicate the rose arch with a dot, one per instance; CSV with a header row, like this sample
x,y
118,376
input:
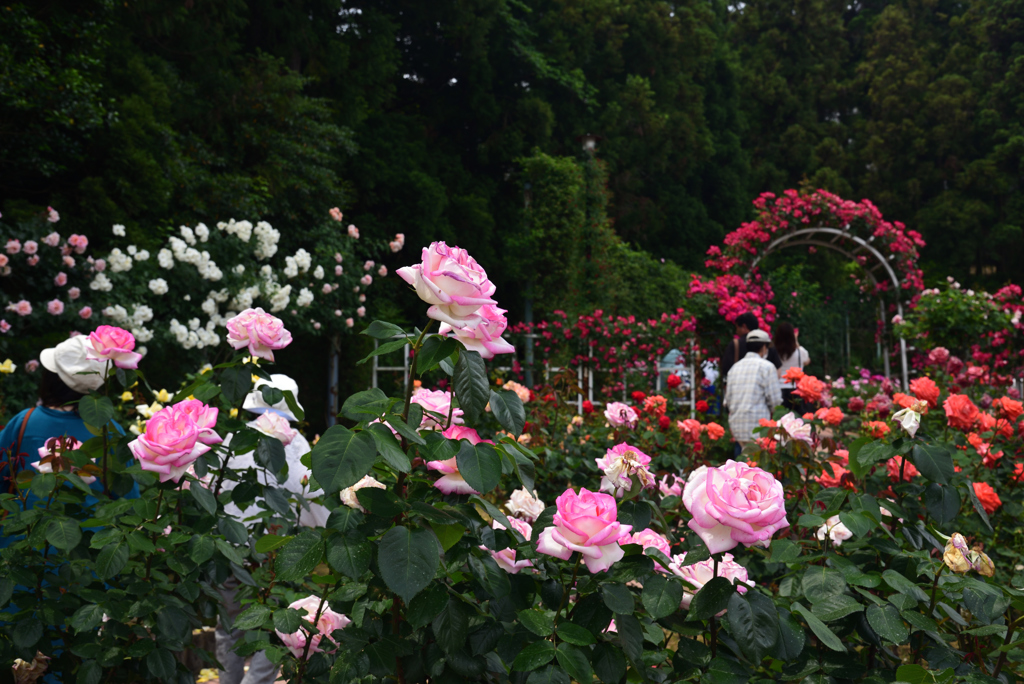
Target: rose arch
x,y
886,251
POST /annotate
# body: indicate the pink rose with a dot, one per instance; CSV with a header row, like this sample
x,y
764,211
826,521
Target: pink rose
x,y
326,289
169,445
100,265
699,574
258,330
338,257
485,335
85,312
585,522
13,246
460,432
33,260
328,622
671,485
395,246
353,232
438,402
452,282
69,261
524,505
620,415
110,343
349,322
79,242
61,279
648,538
51,215
274,425
22,308
338,270
55,307
361,311
366,280
74,293
506,558
205,418
938,356
619,463
734,503
336,214
451,481
348,495
368,265
382,271
32,365
835,530
53,239
795,429
31,247
4,260
4,326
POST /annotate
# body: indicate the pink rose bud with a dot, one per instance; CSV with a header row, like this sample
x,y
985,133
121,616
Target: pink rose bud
x,y
382,271
32,365
734,503
33,260
261,332
326,289
368,265
353,232
366,280
274,425
325,626
338,270
585,522
338,257
169,445
337,312
31,247
506,558
85,312
61,279
336,214
4,326
316,326
362,298
74,293
13,246
452,282
100,265
349,322
361,311
110,343
55,307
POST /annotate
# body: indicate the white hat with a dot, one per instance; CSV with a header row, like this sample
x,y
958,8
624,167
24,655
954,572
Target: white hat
x,y
255,403
67,360
758,336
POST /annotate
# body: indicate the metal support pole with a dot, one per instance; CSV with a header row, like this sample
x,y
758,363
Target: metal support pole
x,y
903,351
332,381
528,356
579,384
693,382
590,375
885,347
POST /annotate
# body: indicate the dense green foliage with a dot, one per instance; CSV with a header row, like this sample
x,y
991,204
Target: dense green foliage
x,y
414,116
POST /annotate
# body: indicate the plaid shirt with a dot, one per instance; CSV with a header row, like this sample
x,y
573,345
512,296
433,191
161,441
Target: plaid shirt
x,y
751,394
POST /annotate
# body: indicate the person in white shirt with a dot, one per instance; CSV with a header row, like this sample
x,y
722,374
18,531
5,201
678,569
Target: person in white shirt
x,y
752,390
786,341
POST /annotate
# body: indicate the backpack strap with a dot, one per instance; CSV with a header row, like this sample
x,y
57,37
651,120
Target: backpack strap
x,y
16,456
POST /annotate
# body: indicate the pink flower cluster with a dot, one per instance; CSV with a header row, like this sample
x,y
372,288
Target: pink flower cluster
x,y
327,623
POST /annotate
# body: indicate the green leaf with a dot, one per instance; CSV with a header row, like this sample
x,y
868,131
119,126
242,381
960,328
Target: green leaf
x,y
293,405
661,596
408,560
202,549
493,579
549,675
618,598
574,661
235,384
448,535
535,655
835,607
297,558
857,522
87,618
206,392
820,629
934,461
366,405
344,519
943,502
712,599
402,428
754,623
342,457
161,663
229,552
451,626
382,330
389,449
784,551
792,637
723,670
95,410
609,664
538,622
973,495
385,348
870,454
471,385
252,617
89,673
63,533
270,454
6,590
287,620
913,674
820,582
885,620
507,407
480,465
904,586
112,559
350,557
435,349
574,634
631,636
380,502
271,395
204,497
425,607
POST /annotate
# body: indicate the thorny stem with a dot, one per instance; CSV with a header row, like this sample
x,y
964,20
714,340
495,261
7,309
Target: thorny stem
x,y
565,594
1006,641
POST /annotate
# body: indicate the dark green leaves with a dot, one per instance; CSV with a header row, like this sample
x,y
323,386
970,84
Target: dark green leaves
x,y
366,405
389,449
820,582
942,501
471,385
235,383
386,348
408,560
868,455
755,624
508,409
712,599
435,348
96,410
618,598
661,596
934,462
480,465
112,559
820,629
299,556
63,533
351,557
342,457
533,656
382,330
885,620
204,497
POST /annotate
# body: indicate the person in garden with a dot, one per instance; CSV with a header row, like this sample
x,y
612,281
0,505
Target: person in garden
x,y
53,424
272,420
752,390
792,355
736,350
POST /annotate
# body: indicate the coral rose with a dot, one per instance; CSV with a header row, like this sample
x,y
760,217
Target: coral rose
x,y
585,522
990,501
961,412
690,430
1008,408
325,626
809,388
261,332
734,503
452,282
925,389
893,466
715,431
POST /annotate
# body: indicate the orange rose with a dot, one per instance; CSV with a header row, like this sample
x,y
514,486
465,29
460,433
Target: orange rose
x,y
766,422
988,423
793,374
961,412
903,400
1009,408
809,388
990,501
894,464
832,476
715,431
842,456
834,416
925,389
876,428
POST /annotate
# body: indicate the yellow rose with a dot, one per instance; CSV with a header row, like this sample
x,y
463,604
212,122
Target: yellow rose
x,y
234,413
7,367
163,396
127,396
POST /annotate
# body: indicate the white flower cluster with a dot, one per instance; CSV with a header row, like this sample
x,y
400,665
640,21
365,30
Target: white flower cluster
x,y
240,229
194,336
116,312
280,297
202,232
158,286
267,238
305,297
138,254
244,298
207,268
101,283
118,230
165,258
119,261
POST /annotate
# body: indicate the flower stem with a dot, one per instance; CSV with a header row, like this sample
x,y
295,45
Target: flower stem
x,y
714,624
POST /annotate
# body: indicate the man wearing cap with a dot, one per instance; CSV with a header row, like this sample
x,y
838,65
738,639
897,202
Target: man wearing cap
x,y
752,390
261,670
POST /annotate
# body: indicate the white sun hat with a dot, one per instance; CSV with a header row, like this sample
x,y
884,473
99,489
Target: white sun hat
x,y
68,360
255,403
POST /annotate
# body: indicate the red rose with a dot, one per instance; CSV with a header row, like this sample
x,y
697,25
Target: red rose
x,y
961,412
987,496
638,396
588,407
664,422
702,406
925,389
1009,408
674,381
856,404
